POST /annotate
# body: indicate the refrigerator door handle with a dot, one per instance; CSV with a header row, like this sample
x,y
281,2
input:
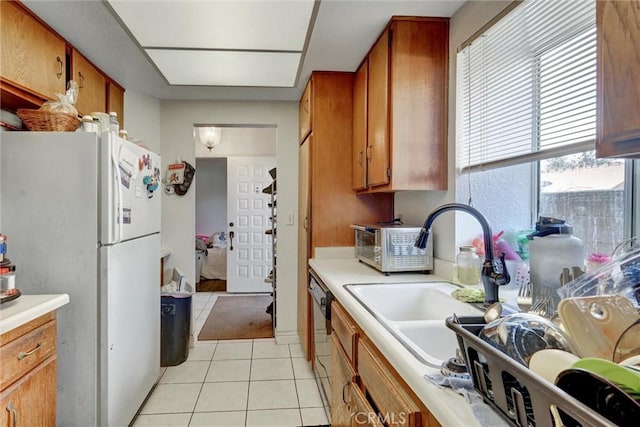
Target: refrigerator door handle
x,y
114,159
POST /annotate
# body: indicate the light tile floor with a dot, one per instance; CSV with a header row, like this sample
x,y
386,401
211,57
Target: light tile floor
x,y
235,383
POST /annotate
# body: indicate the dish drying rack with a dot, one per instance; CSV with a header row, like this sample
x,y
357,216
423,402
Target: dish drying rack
x,y
522,397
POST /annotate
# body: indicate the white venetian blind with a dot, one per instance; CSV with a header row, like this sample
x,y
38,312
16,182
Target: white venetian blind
x,y
526,88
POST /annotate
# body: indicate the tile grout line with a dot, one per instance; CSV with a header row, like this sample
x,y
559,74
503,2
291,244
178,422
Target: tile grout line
x,y
246,412
203,382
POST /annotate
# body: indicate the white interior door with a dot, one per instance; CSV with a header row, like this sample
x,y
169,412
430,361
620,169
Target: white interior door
x,y
249,253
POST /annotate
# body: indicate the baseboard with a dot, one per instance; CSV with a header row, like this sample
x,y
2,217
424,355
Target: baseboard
x,y
287,337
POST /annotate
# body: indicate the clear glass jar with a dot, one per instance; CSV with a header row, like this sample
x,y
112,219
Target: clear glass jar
x,y
468,266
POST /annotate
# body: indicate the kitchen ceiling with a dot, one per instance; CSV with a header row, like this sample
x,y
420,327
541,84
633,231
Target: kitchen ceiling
x,y
222,42
225,49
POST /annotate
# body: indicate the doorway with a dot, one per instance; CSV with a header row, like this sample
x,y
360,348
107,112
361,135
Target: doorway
x,y
216,251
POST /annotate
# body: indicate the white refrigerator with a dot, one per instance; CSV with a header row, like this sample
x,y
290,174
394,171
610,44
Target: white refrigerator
x,y
83,218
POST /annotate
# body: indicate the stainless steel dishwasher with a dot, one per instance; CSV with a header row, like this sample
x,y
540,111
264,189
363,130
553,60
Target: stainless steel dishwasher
x,y
322,341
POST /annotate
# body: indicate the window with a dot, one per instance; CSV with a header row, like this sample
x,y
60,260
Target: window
x,y
526,123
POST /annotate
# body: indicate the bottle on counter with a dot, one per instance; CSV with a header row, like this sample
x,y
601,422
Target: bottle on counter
x,y
114,126
552,247
3,246
468,266
89,125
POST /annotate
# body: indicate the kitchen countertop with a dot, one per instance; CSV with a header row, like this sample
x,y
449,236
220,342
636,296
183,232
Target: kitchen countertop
x,y
28,307
448,407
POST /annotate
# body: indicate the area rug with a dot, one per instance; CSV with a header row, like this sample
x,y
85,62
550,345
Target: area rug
x,y
238,317
211,285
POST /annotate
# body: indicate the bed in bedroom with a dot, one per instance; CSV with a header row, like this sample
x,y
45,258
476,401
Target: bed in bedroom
x,y
214,256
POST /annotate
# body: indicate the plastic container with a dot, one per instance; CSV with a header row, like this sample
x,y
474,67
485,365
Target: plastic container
x,y
114,126
552,248
468,266
175,324
89,125
102,119
3,246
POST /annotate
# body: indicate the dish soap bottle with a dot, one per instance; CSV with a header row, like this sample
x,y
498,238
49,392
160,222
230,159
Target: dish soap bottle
x,y
468,266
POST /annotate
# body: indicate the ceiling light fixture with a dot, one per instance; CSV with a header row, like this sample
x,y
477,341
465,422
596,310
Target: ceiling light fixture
x,y
208,136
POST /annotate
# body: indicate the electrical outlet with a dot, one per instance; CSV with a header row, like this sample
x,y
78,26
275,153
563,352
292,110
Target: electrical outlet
x,y
290,218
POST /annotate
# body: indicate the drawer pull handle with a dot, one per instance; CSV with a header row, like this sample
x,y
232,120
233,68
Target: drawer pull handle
x,y
344,394
12,411
59,74
23,354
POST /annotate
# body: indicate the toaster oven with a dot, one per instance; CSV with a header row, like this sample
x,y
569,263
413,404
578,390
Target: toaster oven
x,y
390,248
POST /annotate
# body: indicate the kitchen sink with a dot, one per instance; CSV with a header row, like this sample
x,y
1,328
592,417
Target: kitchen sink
x,y
414,313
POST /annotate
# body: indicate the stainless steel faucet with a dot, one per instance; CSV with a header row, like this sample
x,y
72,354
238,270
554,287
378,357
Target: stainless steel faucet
x,y
494,274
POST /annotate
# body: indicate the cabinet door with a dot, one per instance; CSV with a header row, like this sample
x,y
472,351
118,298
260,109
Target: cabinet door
x,y
305,111
342,377
92,89
32,56
418,59
31,401
387,393
378,117
115,102
618,26
359,177
304,305
362,413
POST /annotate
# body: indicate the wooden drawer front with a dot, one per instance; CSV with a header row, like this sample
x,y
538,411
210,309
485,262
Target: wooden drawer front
x,y
305,112
391,400
345,331
24,353
362,414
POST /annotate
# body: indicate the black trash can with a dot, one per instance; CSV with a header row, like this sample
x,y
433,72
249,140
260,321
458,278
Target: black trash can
x,y
175,323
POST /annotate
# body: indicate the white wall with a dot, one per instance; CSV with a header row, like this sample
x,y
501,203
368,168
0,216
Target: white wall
x,y
178,212
242,141
414,206
211,200
142,120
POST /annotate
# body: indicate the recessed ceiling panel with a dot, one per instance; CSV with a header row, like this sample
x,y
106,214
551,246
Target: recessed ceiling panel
x,y
226,68
218,24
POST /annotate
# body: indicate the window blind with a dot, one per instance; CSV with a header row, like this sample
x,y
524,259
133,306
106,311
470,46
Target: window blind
x,y
526,88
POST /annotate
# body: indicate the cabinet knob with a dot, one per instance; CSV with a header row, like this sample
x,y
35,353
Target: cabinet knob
x,y
81,78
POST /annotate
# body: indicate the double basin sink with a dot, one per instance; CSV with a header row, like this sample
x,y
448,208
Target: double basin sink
x,y
415,314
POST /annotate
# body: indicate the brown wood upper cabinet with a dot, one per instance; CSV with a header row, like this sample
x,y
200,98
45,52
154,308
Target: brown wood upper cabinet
x,y
305,112
328,204
618,28
406,107
33,57
92,85
115,101
360,127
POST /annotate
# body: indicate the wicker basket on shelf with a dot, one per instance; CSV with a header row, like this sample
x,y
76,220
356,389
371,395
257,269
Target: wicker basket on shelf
x,y
48,121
